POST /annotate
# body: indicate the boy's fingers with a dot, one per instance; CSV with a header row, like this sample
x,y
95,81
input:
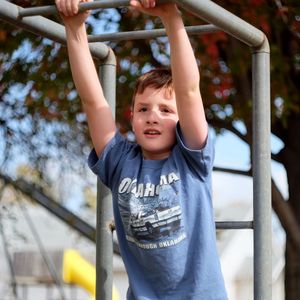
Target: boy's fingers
x,y
74,7
135,3
152,3
139,5
63,9
145,6
88,11
68,7
57,3
148,3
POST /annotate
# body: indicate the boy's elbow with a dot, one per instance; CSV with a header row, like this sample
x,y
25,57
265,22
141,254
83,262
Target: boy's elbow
x,y
197,143
188,90
190,96
94,103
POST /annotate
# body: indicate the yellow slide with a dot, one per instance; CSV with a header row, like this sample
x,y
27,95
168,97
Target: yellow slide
x,y
76,270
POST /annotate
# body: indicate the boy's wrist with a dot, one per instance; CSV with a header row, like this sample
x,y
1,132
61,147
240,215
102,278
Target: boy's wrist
x,y
171,16
172,21
76,32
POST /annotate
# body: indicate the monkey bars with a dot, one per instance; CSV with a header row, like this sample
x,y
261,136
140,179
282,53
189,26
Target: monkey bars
x,y
218,19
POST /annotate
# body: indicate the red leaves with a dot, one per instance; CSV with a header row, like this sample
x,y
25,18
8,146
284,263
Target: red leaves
x,y
210,41
127,113
3,35
264,25
212,51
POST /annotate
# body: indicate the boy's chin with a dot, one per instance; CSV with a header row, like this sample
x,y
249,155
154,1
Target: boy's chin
x,y
156,154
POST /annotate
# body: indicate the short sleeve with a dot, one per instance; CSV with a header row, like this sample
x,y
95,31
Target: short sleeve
x,y
107,165
200,161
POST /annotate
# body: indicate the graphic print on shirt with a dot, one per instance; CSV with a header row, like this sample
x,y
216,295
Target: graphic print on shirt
x,y
151,214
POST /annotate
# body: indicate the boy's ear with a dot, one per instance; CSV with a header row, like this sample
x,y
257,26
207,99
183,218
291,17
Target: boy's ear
x,y
131,116
131,119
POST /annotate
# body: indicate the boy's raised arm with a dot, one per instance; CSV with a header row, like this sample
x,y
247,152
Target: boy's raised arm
x,y
100,120
185,72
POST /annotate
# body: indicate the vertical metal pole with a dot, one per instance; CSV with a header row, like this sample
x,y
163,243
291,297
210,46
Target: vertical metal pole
x,y
262,173
104,235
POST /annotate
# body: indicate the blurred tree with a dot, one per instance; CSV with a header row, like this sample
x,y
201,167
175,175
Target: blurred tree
x,y
41,114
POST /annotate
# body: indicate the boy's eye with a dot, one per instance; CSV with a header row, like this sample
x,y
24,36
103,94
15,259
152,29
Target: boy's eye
x,y
165,110
143,109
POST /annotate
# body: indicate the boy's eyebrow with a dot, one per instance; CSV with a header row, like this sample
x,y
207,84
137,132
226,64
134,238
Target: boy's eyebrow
x,y
170,105
163,105
142,103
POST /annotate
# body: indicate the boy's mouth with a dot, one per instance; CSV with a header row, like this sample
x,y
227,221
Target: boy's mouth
x,y
151,132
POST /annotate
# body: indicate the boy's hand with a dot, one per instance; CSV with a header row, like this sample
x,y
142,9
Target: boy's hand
x,y
68,10
151,8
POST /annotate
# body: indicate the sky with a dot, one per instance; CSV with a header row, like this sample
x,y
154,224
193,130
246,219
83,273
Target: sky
x,y
231,152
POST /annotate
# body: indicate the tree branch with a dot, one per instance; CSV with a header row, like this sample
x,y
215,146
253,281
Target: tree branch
x,y
233,171
226,124
281,207
286,216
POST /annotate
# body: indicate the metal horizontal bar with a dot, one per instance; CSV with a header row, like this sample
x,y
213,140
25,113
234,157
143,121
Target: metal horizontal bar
x,y
235,225
51,9
148,34
230,23
42,26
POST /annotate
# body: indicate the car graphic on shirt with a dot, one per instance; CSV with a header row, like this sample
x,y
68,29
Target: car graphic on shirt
x,y
156,222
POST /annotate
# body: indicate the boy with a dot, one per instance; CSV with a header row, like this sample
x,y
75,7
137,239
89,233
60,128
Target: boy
x,y
162,186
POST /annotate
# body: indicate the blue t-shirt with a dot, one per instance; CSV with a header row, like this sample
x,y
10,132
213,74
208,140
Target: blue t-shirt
x,y
164,220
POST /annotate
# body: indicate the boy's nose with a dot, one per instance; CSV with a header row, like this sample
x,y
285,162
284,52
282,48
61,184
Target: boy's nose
x,y
152,118
152,122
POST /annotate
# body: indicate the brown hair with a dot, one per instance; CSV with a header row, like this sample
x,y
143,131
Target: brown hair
x,y
160,78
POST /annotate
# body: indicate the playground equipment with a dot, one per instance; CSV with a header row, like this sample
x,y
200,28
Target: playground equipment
x,y
218,18
77,270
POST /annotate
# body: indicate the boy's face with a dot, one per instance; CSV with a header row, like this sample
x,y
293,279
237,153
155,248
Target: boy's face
x,y
154,119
